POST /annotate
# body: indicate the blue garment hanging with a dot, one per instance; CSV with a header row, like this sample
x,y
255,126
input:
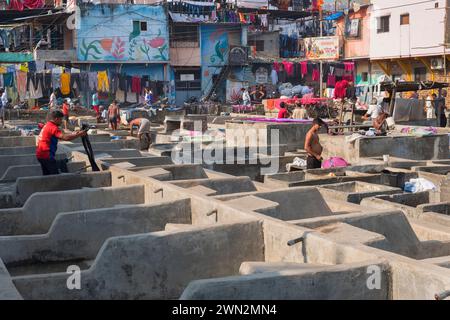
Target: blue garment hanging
x,y
334,16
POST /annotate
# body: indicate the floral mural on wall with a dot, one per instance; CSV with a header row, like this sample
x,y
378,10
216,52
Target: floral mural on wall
x,y
214,47
114,35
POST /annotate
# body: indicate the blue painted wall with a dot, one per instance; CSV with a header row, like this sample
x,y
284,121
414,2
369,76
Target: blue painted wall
x,y
214,48
108,34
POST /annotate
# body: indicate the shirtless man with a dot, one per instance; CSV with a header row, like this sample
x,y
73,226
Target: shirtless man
x,y
313,146
113,114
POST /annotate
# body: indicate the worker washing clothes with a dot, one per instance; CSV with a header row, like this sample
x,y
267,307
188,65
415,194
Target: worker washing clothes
x,y
48,142
373,112
143,132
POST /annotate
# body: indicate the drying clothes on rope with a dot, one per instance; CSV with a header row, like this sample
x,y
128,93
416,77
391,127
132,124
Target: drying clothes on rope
x,y
56,78
274,76
331,81
21,84
125,83
120,95
16,5
136,85
289,67
35,86
131,97
276,66
264,20
47,81
349,66
75,81
114,82
339,71
84,76
33,4
8,79
282,76
93,80
316,75
32,66
103,82
304,68
65,84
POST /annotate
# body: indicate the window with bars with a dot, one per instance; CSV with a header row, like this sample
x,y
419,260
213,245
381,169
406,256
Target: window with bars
x,y
384,24
184,36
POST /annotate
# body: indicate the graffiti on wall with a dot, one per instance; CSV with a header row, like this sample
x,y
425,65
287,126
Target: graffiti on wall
x,y
214,48
123,33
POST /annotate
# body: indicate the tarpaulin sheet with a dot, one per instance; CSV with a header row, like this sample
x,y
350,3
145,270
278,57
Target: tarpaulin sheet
x,y
409,110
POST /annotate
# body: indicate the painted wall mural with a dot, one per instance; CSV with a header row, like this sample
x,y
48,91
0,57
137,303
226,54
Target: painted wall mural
x,y
214,50
123,33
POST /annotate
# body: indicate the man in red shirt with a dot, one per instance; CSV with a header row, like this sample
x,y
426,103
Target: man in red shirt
x,y
283,113
65,111
48,142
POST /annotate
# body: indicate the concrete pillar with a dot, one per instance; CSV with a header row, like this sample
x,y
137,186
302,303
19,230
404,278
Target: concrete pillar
x,y
244,33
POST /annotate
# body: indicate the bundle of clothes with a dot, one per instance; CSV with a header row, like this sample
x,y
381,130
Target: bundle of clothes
x,y
420,132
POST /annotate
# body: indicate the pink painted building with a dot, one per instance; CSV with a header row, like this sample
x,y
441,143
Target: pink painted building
x,y
354,33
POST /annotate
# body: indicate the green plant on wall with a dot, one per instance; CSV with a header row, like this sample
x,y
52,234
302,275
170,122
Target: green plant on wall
x,y
219,50
85,50
132,49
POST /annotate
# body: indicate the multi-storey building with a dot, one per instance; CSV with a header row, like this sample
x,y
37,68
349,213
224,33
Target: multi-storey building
x,y
409,39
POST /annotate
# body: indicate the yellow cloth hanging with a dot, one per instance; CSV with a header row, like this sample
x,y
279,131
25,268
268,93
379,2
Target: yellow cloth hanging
x,y
65,83
24,67
3,69
103,82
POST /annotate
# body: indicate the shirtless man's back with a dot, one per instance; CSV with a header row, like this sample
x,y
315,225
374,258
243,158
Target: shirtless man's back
x,y
113,114
313,146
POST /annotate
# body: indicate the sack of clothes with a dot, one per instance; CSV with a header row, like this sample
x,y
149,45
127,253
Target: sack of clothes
x,y
419,185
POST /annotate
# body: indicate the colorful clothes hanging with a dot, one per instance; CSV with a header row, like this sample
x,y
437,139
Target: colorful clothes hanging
x,y
65,84
316,75
103,82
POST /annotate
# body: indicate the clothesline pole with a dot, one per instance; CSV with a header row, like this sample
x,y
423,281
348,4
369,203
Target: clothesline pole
x,y
321,62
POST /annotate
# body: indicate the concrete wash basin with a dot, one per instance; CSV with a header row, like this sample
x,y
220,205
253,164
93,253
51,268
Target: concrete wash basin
x,y
221,186
172,172
291,204
76,237
140,266
356,191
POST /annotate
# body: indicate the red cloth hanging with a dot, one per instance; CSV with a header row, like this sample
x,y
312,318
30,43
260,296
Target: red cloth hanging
x,y
349,66
304,68
289,67
316,75
16,5
331,81
33,4
276,66
136,84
